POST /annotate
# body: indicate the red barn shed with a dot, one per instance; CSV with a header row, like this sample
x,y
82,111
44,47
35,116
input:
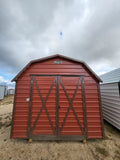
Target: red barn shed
x,y
57,98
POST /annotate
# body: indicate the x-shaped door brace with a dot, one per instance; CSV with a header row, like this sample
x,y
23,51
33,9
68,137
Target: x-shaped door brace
x,y
70,105
43,105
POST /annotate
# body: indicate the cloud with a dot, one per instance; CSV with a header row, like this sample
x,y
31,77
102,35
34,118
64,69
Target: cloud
x,y
30,30
6,82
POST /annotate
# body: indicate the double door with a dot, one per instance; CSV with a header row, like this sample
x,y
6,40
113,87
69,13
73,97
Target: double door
x,y
57,109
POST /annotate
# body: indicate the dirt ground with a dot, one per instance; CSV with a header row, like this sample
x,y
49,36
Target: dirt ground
x,y
12,149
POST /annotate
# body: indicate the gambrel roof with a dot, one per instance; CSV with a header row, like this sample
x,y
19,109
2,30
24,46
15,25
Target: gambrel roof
x,y
56,56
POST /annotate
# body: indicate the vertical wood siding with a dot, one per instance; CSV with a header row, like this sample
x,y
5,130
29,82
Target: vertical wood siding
x,y
66,68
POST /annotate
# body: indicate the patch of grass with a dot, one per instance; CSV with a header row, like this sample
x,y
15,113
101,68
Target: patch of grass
x,y
119,146
111,129
0,118
102,151
5,139
117,154
1,124
106,137
7,100
6,117
7,124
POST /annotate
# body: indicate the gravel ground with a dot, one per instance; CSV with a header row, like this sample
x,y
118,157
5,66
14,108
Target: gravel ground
x,y
18,149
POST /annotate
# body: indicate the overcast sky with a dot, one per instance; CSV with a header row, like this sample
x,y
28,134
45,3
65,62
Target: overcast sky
x,y
82,29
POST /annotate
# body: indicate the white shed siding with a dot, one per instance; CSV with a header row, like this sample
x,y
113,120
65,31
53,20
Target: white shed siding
x,y
2,89
112,76
11,91
111,103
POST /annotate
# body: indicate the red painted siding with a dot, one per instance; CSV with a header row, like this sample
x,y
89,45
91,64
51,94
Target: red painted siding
x,y
66,68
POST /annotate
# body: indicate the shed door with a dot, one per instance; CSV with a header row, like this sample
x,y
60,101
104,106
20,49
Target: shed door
x,y
71,110
57,108
42,106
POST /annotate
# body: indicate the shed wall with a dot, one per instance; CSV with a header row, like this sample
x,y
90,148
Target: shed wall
x,y
111,103
66,68
2,88
11,91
